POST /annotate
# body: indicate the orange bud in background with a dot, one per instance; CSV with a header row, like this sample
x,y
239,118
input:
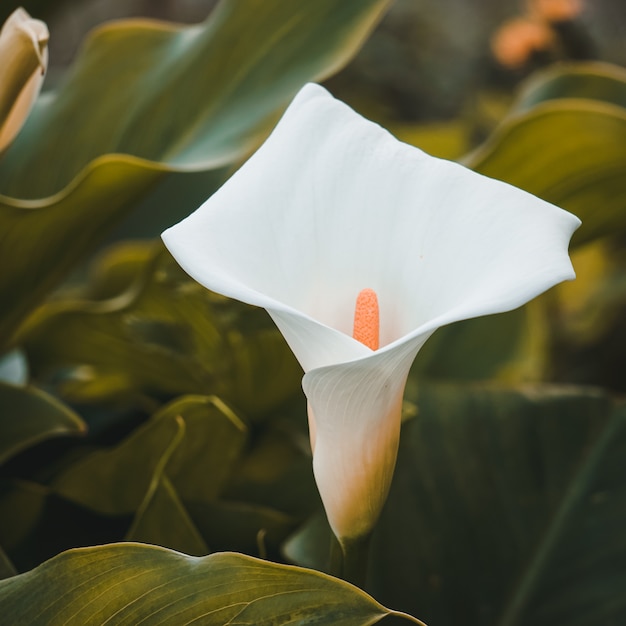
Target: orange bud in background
x,y
516,40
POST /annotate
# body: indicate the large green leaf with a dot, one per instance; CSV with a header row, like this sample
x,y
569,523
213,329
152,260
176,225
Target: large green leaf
x,y
132,583
507,508
566,142
29,415
164,334
498,505
145,99
115,481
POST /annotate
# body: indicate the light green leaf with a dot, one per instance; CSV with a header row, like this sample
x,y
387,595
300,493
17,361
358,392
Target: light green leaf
x,y
115,481
145,99
29,415
569,152
132,583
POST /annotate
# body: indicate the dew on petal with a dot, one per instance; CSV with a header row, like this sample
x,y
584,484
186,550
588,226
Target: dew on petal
x,y
367,319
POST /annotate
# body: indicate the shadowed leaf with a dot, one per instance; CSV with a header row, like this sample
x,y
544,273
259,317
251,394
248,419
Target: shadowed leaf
x,y
115,481
164,334
28,416
507,508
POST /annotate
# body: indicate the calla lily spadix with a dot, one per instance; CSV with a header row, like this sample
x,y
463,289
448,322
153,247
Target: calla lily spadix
x,y
332,205
23,64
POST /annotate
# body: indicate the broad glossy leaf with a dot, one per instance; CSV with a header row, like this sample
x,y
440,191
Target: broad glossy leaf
x,y
29,415
507,508
115,481
37,252
164,335
145,99
569,152
501,498
132,583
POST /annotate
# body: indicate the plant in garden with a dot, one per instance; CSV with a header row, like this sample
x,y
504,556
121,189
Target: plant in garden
x,y
360,247
172,415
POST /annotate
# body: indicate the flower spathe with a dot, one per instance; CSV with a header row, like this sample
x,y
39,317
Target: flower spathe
x,y
23,64
332,204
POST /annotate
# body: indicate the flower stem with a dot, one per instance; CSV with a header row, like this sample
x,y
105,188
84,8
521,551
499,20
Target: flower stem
x,y
335,559
355,559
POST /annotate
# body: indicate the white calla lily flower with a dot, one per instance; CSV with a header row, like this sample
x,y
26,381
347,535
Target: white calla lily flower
x,y
330,205
23,64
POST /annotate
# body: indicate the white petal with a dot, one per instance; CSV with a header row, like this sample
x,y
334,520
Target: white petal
x,y
356,408
332,203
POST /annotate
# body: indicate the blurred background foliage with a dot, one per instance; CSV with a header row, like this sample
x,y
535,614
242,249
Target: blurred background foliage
x,y
136,405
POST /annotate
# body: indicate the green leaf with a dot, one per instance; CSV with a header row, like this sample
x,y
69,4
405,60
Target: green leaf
x,y
276,471
36,524
164,335
241,526
569,152
29,416
507,508
39,252
589,81
22,507
478,349
115,481
145,99
162,518
132,583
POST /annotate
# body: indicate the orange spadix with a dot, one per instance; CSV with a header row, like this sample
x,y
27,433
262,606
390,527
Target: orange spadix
x,y
367,319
